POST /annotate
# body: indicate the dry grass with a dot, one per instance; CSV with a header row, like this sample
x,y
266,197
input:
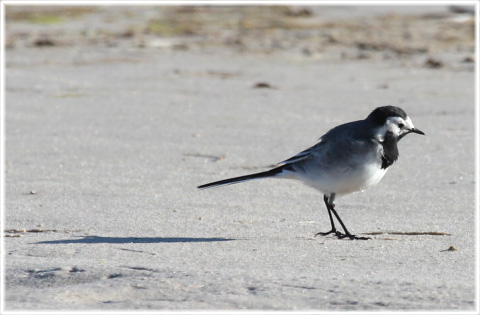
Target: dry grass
x,y
44,14
266,29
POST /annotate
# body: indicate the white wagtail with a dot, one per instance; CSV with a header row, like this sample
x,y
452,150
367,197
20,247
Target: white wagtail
x,y
348,158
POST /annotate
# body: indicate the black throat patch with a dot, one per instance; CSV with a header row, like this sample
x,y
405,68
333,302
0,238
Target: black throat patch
x,y
390,150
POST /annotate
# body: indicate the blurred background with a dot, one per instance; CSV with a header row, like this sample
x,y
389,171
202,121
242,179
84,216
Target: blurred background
x,y
430,36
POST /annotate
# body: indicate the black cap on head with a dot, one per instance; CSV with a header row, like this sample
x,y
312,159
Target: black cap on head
x,y
380,114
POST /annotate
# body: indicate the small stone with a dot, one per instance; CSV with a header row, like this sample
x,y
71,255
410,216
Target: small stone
x,y
434,63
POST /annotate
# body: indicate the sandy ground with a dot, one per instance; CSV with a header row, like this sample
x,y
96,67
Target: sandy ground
x,y
110,128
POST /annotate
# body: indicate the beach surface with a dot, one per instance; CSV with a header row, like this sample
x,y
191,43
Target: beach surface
x,y
115,114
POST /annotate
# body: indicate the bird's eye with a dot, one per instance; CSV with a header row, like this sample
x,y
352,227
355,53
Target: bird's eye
x,y
400,125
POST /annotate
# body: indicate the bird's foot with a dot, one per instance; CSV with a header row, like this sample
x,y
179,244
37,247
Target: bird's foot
x,y
351,236
342,235
332,231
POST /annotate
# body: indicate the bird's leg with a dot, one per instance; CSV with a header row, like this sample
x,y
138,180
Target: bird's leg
x,y
347,234
329,204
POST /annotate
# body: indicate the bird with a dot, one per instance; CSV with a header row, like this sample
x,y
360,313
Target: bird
x,y
348,158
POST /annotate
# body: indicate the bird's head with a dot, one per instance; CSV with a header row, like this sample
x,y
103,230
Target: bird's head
x,y
392,119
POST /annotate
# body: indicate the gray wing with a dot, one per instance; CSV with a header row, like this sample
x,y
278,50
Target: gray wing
x,y
343,147
302,155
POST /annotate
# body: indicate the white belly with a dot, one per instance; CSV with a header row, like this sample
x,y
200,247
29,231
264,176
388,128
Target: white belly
x,y
345,181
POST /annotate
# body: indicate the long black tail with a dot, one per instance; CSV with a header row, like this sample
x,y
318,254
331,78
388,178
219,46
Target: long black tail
x,y
229,181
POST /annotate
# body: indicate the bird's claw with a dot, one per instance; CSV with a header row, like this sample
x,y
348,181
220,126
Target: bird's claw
x,y
342,235
327,233
351,236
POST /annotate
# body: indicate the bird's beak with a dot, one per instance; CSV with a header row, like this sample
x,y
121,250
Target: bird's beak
x,y
415,130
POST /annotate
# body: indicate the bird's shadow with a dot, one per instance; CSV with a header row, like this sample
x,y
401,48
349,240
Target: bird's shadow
x,y
92,239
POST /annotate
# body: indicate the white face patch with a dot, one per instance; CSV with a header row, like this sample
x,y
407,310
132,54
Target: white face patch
x,y
408,123
396,125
